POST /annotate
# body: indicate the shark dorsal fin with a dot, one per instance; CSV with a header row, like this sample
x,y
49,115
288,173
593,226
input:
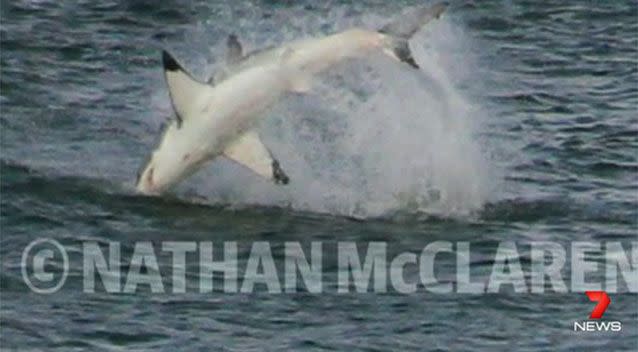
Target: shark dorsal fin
x,y
182,87
234,50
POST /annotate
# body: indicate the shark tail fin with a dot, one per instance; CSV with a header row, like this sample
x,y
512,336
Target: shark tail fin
x,y
405,26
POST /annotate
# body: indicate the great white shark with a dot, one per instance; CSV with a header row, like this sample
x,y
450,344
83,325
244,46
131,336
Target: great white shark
x,y
220,120
320,53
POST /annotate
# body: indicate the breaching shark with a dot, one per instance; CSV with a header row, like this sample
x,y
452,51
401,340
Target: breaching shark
x,y
220,120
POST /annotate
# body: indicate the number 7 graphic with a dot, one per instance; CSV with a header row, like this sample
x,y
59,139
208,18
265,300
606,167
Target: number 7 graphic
x,y
603,301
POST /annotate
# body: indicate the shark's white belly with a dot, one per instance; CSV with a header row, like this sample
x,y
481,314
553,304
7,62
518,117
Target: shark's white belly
x,y
235,108
315,54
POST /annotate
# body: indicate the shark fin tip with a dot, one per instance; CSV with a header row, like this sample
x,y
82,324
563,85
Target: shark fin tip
x,y
170,64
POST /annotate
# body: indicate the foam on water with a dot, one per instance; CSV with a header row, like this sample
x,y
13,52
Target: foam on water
x,y
373,138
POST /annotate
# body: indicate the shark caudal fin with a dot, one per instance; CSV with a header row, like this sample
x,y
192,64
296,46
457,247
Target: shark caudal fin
x,y
182,87
405,26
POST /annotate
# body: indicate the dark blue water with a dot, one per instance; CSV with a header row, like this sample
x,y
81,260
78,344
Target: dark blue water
x,y
522,125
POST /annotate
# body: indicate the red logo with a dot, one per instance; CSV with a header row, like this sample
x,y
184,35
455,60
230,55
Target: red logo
x,y
603,301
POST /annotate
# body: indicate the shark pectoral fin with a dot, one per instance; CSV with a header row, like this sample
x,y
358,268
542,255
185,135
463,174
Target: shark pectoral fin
x,y
182,87
249,151
234,50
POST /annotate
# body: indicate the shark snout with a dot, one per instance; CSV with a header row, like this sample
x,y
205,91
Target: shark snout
x,y
146,183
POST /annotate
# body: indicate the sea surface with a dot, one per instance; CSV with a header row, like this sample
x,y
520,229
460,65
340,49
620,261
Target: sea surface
x,y
521,126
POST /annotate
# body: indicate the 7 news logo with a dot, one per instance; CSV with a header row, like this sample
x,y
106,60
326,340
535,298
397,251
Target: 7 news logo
x,y
591,325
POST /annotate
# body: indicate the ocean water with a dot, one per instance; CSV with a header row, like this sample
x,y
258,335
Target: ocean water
x,y
521,125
